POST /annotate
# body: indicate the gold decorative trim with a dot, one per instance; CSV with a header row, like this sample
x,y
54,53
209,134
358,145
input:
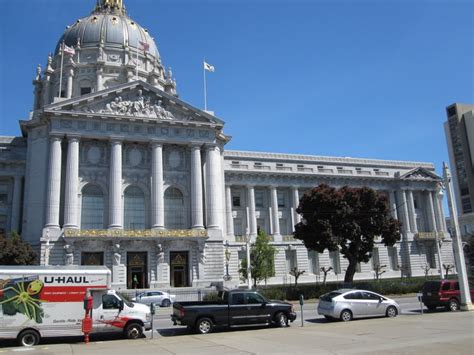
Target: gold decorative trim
x,y
135,233
429,235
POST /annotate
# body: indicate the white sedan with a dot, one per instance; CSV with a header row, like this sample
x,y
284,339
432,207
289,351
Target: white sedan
x,y
159,298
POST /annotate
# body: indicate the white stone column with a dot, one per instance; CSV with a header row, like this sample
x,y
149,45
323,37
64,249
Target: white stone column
x,y
157,198
275,214
69,83
99,85
296,202
71,183
214,205
196,188
54,183
252,217
411,211
16,204
404,211
228,210
393,204
431,213
115,185
438,214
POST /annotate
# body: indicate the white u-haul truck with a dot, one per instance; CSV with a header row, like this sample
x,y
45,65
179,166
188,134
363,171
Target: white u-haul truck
x,y
48,301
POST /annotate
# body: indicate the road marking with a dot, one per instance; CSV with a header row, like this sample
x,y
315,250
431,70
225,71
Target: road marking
x,y
23,349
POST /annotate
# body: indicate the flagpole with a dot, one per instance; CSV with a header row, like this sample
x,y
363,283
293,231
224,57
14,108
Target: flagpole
x,y
205,85
61,71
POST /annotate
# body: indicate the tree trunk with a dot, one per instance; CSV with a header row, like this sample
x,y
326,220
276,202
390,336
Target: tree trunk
x,y
351,269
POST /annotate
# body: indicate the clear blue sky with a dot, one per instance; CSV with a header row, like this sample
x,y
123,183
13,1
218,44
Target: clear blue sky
x,y
342,78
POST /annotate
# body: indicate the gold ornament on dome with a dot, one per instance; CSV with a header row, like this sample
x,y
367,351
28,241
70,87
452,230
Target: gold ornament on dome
x,y
141,233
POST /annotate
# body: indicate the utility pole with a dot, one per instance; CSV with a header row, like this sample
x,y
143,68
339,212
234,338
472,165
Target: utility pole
x,y
466,304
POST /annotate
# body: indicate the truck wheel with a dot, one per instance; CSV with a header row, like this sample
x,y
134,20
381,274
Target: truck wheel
x,y
28,337
165,303
204,326
453,305
281,319
133,331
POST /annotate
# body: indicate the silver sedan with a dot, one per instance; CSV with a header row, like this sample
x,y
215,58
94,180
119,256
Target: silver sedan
x,y
346,304
159,298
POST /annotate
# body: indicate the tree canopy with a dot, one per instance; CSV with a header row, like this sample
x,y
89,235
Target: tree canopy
x,y
346,219
15,251
262,255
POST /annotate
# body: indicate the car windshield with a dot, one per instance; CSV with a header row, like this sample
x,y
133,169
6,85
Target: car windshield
x,y
329,296
431,286
128,303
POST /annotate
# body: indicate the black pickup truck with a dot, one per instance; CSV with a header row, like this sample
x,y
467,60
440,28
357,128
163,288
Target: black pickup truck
x,y
236,308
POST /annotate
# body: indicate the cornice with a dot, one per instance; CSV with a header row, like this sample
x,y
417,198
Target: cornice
x,y
236,154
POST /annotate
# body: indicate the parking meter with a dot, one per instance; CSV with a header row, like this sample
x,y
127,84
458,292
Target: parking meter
x,y
301,305
152,309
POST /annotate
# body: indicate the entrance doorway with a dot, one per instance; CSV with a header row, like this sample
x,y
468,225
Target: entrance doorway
x,y
137,270
179,262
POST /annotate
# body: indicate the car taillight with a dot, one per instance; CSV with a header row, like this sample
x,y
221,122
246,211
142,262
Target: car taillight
x,y
181,313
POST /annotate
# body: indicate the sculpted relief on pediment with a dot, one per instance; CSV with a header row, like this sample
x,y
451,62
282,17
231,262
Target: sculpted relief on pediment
x,y
135,104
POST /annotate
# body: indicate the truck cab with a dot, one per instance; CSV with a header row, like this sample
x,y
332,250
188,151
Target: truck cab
x,y
113,313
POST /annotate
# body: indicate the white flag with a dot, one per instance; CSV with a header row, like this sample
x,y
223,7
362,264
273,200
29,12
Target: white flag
x,y
209,67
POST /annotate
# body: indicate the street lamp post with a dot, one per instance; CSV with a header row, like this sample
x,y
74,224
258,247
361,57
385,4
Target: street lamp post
x,y
466,304
227,254
249,267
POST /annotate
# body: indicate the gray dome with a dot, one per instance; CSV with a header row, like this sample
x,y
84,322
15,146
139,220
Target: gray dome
x,y
111,29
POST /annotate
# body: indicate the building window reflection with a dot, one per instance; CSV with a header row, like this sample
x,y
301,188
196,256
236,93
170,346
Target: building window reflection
x,y
92,214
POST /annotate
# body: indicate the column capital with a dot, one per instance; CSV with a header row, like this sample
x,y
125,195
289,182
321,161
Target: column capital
x,y
250,186
73,138
55,138
156,144
210,147
195,146
273,187
115,140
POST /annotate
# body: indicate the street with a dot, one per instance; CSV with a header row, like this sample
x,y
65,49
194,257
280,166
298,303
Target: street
x,y
411,332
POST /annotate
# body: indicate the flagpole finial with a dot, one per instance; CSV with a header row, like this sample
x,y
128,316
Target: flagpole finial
x,y
110,5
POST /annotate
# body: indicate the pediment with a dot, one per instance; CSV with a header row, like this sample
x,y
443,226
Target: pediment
x,y
420,174
137,100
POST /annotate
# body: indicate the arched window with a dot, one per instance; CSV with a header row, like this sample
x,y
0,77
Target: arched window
x,y
174,209
92,214
134,208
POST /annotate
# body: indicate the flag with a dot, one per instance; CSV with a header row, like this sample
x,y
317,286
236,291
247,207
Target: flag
x,y
144,45
69,50
209,67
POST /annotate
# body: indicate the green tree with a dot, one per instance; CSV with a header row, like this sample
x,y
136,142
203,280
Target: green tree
x,y
15,251
346,219
262,257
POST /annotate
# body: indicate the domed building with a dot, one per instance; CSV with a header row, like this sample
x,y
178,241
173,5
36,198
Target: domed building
x,y
114,169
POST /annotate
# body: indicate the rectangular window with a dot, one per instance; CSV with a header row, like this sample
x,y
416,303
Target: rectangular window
x,y
3,223
242,255
313,262
290,256
283,226
235,162
258,198
393,258
92,258
430,256
281,199
334,261
3,199
238,226
236,201
85,91
261,223
375,258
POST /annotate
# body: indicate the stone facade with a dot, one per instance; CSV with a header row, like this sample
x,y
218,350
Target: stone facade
x,y
119,171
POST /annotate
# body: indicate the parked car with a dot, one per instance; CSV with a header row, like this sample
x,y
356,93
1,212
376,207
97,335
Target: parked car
x,y
236,308
442,293
159,298
346,304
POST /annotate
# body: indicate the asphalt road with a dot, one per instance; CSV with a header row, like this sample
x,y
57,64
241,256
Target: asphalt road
x,y
410,333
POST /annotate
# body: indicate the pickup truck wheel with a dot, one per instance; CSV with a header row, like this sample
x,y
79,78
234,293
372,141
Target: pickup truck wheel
x,y
281,319
28,337
204,326
133,331
165,303
453,305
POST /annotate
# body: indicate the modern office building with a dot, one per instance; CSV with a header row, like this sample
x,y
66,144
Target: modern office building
x,y
113,168
459,129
